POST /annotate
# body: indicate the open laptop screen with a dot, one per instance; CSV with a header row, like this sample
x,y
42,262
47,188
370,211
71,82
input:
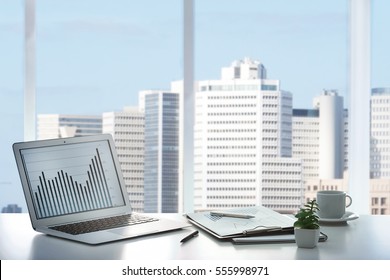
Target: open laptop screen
x,y
72,178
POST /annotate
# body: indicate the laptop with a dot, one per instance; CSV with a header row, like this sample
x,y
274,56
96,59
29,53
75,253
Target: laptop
x,y
75,190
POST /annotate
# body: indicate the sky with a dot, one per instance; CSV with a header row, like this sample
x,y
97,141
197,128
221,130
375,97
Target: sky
x,y
94,56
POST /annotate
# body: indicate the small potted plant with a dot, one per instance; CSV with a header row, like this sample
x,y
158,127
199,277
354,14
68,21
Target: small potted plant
x,y
306,227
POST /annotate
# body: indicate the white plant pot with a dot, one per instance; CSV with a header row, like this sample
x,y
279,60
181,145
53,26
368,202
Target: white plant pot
x,y
306,238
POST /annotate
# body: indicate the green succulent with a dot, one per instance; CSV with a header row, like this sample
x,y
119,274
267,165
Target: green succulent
x,y
307,217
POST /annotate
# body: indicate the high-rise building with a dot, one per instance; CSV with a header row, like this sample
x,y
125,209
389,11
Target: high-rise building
x,y
242,157
162,165
380,151
305,141
380,133
320,139
58,126
127,129
331,135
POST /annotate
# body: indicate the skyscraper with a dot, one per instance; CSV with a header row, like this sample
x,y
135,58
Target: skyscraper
x,y
380,133
320,139
162,175
243,126
380,151
127,129
331,135
305,141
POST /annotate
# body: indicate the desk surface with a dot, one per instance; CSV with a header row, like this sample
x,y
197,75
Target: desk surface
x,y
365,238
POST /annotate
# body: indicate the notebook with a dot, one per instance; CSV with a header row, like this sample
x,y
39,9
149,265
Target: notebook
x,y
75,190
272,239
263,221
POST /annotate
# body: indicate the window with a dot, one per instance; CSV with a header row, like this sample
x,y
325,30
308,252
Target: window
x,y
79,48
11,96
94,61
91,57
283,54
95,56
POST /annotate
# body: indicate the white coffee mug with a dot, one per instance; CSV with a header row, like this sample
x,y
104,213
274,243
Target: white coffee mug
x,y
332,204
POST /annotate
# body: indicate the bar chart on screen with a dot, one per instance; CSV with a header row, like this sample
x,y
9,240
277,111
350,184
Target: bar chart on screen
x,y
64,182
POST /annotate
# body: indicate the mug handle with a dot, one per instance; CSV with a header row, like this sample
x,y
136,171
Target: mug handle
x,y
350,200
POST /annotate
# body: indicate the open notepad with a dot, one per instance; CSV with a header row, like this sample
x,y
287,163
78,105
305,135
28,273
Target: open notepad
x,y
265,221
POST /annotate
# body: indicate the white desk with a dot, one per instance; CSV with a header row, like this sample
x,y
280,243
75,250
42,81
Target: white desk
x,y
365,238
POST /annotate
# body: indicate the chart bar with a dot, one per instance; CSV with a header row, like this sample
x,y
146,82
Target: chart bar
x,y
63,195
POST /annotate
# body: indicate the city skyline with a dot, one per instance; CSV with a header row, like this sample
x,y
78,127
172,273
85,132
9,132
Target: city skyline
x,y
306,138
97,49
306,132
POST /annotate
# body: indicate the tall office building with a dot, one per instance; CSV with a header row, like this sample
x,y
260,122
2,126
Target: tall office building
x,y
305,141
162,169
320,139
242,142
58,126
127,129
331,135
380,133
380,151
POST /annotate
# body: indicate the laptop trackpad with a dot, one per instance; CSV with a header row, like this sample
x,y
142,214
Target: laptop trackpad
x,y
133,231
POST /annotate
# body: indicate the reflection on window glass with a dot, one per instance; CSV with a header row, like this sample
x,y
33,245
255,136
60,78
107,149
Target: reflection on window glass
x,y
270,118
11,96
93,60
271,123
95,56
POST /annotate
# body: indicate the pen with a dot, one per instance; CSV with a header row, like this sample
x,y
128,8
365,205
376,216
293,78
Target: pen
x,y
261,229
232,215
188,237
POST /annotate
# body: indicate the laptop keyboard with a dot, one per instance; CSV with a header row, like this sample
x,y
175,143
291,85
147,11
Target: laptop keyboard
x,y
104,223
